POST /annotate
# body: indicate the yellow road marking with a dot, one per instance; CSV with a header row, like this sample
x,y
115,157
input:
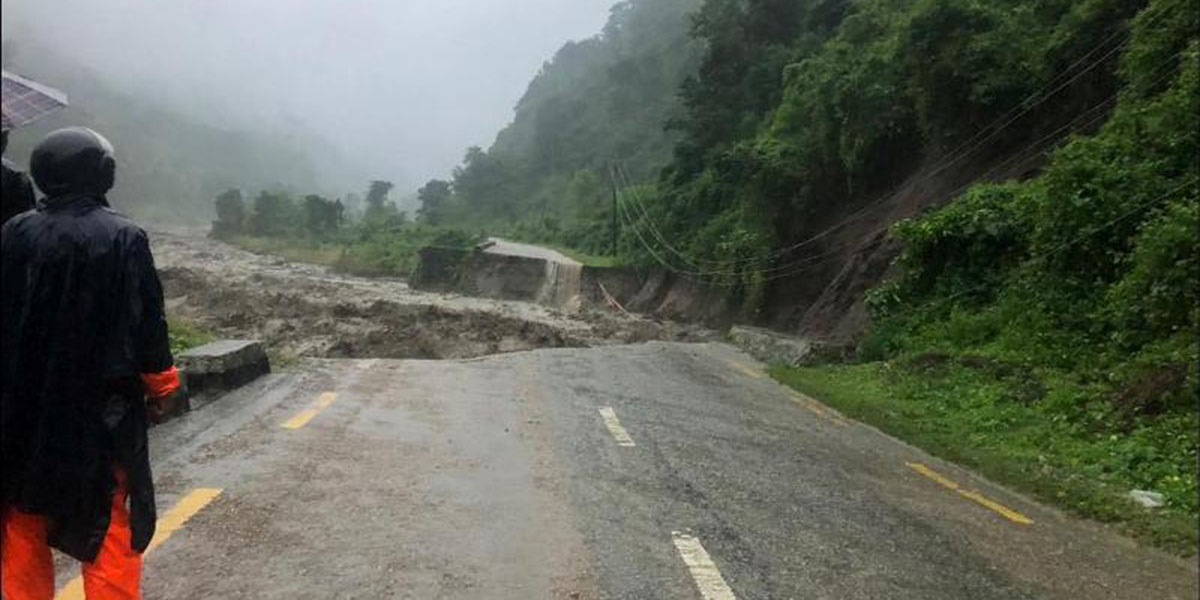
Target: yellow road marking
x,y
324,400
819,410
615,428
934,475
183,511
704,572
747,370
1008,513
976,497
166,526
303,417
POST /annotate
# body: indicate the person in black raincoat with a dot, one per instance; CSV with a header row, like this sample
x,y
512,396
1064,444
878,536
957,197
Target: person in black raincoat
x,y
84,347
17,193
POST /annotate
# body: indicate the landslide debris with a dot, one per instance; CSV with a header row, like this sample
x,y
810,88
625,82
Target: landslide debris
x,y
304,310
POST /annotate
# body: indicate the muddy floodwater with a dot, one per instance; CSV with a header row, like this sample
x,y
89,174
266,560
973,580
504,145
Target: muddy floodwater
x,y
307,310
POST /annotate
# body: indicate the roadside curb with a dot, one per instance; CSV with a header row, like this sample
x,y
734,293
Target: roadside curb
x,y
213,369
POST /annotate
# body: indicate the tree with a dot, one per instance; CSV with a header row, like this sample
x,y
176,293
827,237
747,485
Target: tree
x,y
378,206
435,198
231,214
274,214
484,183
353,207
597,100
321,216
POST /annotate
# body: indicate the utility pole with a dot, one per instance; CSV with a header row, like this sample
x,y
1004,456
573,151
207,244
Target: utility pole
x,y
613,180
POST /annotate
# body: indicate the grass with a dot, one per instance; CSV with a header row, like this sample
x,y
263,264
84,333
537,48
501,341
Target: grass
x,y
1024,430
590,260
185,334
369,251
295,250
353,259
372,259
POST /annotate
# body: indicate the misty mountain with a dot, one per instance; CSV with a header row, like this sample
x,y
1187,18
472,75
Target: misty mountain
x,y
170,165
598,101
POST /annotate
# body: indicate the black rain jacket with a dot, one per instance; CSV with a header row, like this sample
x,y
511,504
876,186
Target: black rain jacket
x,y
17,192
82,318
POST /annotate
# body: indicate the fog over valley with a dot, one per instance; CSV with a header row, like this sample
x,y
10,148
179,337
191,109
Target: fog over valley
x,y
367,89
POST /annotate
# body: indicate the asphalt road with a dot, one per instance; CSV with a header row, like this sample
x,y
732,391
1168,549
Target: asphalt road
x,y
501,246
641,472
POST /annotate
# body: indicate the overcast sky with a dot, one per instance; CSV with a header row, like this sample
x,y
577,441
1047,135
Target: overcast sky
x,y
401,87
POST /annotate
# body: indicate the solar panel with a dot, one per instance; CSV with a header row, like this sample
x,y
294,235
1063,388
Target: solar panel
x,y
26,101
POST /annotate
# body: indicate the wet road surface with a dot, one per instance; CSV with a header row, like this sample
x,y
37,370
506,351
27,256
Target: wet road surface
x,y
659,470
501,246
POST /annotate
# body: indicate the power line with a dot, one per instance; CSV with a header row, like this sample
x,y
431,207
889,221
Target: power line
x,y
1079,123
631,225
790,269
1024,155
645,215
1006,120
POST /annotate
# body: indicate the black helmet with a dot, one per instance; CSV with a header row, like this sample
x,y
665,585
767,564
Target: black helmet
x,y
75,160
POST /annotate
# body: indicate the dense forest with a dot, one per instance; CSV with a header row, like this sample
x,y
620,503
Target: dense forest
x,y
1007,188
171,165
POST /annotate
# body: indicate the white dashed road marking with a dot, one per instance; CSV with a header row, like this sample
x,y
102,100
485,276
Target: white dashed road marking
x,y
614,427
704,572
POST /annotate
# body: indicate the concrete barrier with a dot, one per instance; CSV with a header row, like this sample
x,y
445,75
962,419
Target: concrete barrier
x,y
222,366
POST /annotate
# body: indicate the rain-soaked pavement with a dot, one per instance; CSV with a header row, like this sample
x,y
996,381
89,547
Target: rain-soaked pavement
x,y
656,470
501,478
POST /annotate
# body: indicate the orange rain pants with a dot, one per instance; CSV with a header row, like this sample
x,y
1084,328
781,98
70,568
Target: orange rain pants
x,y
27,566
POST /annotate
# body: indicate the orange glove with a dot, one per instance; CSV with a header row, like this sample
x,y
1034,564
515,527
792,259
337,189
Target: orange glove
x,y
160,390
161,385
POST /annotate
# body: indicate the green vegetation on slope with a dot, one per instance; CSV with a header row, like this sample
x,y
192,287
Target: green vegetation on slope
x,y
795,115
802,113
